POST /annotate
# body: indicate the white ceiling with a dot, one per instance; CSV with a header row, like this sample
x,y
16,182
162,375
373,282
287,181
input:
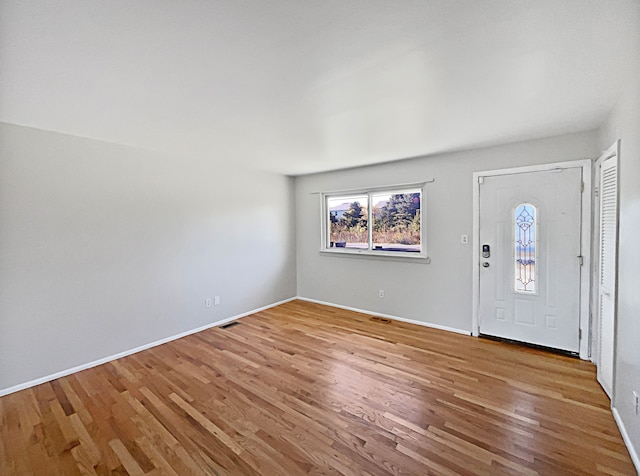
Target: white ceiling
x,y
300,86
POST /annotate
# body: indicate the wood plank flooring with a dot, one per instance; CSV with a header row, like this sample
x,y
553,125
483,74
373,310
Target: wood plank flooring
x,y
308,389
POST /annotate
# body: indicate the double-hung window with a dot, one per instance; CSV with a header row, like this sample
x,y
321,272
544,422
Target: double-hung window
x,y
385,221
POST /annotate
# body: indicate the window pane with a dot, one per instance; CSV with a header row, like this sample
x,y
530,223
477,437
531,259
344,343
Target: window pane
x,y
348,227
396,221
525,248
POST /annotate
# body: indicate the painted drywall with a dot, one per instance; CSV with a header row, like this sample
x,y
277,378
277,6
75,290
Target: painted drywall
x,y
624,124
437,293
106,248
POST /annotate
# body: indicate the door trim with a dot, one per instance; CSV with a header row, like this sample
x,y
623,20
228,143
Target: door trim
x,y
585,241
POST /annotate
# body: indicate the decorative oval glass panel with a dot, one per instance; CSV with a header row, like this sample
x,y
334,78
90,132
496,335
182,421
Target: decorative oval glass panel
x,y
525,220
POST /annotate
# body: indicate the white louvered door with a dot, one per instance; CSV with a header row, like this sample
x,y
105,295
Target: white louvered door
x,y
607,270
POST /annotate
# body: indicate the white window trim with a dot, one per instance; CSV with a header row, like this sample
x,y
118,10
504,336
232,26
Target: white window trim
x,y
370,253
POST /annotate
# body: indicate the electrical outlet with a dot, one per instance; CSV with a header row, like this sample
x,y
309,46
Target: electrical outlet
x,y
207,302
216,300
464,239
636,402
381,293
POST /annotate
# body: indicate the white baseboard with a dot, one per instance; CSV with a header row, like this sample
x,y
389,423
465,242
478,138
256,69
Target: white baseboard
x,y
104,360
388,316
627,440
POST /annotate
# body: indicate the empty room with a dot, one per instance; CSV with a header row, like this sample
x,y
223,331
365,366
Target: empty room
x,y
342,237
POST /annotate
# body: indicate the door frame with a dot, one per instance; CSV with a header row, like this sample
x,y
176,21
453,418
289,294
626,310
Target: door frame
x,y
585,242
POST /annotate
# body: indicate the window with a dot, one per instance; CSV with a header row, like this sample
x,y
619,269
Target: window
x,y
381,221
525,248
348,222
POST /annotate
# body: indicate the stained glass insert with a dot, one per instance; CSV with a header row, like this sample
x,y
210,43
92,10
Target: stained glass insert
x,y
525,248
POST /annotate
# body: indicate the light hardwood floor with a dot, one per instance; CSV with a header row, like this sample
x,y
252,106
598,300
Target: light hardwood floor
x,y
308,389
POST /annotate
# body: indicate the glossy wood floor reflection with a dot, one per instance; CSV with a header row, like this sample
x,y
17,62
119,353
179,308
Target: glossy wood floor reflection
x,y
307,389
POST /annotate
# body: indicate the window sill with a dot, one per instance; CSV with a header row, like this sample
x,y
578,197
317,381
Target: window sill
x,y
385,255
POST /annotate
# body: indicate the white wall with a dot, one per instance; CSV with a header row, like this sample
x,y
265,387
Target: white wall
x,y
437,293
105,248
624,124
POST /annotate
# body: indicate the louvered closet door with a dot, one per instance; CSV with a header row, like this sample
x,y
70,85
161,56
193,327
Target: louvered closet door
x,y
607,278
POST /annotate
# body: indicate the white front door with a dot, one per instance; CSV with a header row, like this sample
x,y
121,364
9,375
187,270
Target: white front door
x,y
530,257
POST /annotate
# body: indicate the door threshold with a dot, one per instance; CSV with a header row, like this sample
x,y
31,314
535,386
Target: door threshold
x,y
566,353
